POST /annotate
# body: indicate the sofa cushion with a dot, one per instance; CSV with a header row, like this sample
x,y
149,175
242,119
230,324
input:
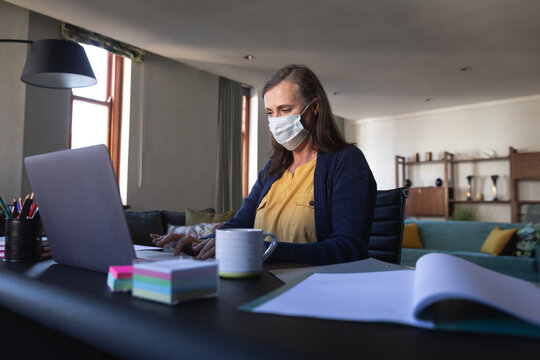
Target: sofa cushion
x,y
411,239
527,238
497,240
142,223
456,235
177,218
196,217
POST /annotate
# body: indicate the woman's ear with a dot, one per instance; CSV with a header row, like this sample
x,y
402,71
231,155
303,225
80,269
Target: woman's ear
x,y
316,108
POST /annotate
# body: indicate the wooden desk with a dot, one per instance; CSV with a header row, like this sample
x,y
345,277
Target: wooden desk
x,y
77,302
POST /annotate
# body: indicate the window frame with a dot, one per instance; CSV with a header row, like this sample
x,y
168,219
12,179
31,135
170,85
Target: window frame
x,y
113,102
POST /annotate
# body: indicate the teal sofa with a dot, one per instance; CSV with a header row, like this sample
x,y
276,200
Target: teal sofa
x,y
464,239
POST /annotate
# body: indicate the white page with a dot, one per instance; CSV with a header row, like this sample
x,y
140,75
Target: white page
x,y
374,296
144,247
154,253
442,276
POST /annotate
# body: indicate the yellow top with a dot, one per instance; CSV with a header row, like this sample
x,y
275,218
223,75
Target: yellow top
x,y
287,210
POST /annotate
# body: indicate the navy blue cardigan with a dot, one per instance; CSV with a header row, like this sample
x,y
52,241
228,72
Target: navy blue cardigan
x,y
345,193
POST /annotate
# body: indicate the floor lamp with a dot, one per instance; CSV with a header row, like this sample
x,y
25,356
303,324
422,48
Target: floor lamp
x,y
57,64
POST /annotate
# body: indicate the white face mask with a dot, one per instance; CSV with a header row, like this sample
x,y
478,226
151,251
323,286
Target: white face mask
x,y
288,130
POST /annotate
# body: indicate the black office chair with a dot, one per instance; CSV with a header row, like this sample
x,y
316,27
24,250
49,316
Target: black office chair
x,y
387,230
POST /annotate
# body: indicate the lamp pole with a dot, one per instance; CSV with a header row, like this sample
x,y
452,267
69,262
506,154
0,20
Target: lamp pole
x,y
16,41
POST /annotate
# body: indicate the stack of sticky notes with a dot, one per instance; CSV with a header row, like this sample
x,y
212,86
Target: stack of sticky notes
x,y
120,278
174,281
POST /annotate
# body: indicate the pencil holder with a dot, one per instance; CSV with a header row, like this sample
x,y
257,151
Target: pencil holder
x,y
2,225
23,240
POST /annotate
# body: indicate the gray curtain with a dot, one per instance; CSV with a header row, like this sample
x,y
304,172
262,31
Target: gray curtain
x,y
229,156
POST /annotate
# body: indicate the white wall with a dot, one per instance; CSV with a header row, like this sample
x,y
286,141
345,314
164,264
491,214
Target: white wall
x,y
468,131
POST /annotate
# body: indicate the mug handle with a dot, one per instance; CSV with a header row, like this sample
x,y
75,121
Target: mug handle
x,y
272,246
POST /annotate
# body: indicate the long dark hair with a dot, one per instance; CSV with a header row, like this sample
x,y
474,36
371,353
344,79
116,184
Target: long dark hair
x,y
324,135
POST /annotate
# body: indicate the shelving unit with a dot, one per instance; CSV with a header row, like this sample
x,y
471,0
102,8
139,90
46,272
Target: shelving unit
x,y
523,166
430,200
438,201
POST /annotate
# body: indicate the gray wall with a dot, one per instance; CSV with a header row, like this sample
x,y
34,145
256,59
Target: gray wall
x,y
13,25
179,134
46,110
33,120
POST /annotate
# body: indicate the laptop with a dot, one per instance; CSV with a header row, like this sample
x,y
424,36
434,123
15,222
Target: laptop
x,y
80,207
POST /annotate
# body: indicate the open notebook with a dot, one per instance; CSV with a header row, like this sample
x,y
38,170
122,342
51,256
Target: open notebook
x,y
444,292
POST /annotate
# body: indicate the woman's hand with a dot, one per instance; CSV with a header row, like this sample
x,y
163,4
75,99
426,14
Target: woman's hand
x,y
179,242
203,249
206,248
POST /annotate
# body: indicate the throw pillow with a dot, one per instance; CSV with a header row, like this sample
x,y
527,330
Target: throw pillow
x,y
197,231
196,217
527,238
174,229
411,238
496,240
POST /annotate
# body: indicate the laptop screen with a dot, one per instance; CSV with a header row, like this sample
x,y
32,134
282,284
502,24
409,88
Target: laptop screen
x,y
81,208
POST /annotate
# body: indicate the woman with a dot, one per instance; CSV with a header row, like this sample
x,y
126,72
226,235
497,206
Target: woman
x,y
316,193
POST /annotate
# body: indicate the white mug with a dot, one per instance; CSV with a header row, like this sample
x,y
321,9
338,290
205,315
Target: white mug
x,y
240,251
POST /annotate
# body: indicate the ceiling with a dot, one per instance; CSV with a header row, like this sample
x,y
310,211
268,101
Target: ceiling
x,y
375,57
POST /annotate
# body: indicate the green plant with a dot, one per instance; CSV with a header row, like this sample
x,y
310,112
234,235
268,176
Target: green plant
x,y
463,213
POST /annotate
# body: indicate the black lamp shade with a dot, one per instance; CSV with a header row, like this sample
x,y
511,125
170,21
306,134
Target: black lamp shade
x,y
58,64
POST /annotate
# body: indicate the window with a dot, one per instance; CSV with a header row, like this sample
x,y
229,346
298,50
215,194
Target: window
x,y
246,95
96,111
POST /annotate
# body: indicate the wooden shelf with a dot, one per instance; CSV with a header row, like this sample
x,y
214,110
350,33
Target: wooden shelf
x,y
480,201
423,162
499,158
431,201
474,160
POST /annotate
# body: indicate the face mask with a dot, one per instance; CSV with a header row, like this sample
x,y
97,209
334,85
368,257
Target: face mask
x,y
288,130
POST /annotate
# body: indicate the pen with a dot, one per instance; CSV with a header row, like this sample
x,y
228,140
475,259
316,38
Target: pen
x,y
4,208
35,215
26,206
32,210
14,212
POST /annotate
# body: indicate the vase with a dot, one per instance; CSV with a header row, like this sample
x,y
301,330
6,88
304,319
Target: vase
x,y
494,187
469,187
